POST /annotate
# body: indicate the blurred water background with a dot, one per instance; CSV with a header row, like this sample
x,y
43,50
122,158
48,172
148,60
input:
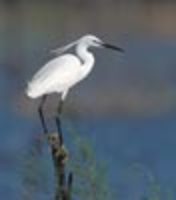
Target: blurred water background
x,y
127,107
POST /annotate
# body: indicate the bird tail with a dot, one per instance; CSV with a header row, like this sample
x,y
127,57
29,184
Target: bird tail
x,y
30,92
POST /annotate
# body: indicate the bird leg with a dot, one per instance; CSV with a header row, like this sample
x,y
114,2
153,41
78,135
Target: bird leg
x,y
58,120
59,107
41,115
58,124
59,111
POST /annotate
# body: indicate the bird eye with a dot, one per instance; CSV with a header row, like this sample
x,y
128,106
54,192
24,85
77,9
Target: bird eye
x,y
96,41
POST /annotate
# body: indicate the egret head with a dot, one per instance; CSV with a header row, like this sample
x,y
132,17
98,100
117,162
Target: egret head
x,y
88,41
91,40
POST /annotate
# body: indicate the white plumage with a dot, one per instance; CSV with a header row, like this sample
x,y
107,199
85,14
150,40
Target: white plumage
x,y
58,75
64,71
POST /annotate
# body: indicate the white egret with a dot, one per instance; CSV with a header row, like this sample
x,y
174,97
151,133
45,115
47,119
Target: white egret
x,y
63,72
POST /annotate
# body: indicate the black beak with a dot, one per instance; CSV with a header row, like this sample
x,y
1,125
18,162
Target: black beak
x,y
109,46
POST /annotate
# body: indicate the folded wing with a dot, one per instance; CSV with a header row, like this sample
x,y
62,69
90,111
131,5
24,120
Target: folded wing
x,y
56,76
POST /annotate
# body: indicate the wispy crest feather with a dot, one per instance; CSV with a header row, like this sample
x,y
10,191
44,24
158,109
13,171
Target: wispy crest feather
x,y
65,48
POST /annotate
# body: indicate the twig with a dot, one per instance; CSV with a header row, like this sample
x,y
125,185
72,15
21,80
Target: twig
x,y
60,158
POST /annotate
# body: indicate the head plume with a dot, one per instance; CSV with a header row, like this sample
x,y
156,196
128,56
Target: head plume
x,y
63,49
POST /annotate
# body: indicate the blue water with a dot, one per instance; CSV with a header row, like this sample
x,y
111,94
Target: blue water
x,y
122,144
138,152
148,144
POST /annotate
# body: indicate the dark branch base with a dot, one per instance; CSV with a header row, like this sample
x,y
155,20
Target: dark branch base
x,y
60,158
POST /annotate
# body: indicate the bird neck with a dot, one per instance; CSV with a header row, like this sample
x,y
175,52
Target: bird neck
x,y
84,54
86,57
